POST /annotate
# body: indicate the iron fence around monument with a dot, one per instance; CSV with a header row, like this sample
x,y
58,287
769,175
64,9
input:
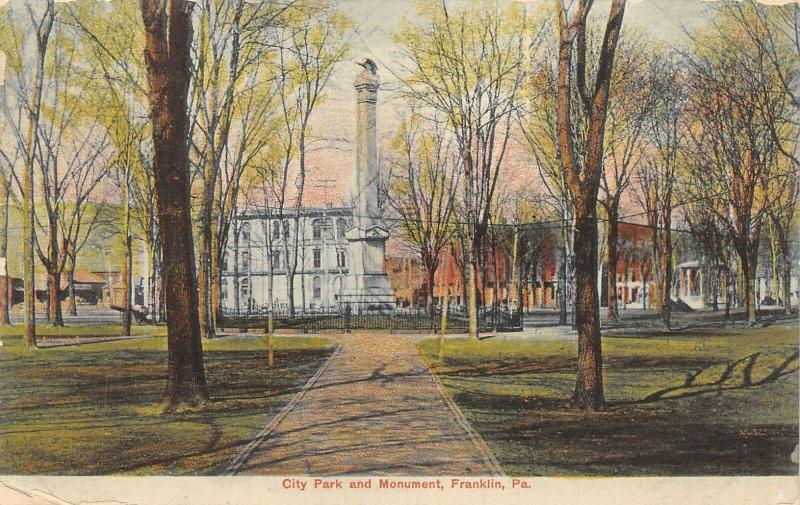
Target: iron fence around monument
x,y
348,317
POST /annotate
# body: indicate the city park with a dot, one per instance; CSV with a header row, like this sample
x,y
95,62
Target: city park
x,y
184,143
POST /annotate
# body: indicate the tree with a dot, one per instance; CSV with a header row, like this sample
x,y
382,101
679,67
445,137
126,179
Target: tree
x,y
5,189
583,173
424,192
772,34
735,151
714,244
539,128
657,177
627,114
30,87
71,153
468,68
231,95
127,143
529,241
311,48
85,220
113,48
168,38
781,230
9,159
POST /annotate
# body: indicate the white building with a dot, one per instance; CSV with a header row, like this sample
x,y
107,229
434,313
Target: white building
x,y
268,247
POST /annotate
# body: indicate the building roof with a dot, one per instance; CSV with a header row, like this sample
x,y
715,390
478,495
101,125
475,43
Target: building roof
x,y
288,213
81,277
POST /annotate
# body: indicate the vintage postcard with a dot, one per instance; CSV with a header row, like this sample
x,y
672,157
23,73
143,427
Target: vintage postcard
x,y
367,251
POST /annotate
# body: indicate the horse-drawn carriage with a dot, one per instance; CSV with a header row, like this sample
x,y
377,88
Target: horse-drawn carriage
x,y
139,313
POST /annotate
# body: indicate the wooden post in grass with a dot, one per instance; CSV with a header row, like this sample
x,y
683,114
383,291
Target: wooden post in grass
x,y
268,339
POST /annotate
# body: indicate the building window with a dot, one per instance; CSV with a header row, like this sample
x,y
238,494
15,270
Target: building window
x,y
341,228
276,259
246,233
244,287
224,290
341,258
316,284
316,229
224,262
286,230
276,230
317,258
245,261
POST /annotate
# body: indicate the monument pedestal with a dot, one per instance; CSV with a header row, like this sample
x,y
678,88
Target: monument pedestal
x,y
367,288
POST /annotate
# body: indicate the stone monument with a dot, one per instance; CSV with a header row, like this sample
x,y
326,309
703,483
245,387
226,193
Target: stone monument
x,y
367,286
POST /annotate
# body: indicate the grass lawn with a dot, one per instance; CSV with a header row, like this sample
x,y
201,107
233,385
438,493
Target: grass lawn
x,y
96,408
699,402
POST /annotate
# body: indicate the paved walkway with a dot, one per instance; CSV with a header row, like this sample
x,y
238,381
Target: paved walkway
x,y
375,409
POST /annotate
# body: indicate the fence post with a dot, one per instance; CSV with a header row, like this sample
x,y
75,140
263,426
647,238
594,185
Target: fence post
x,y
270,354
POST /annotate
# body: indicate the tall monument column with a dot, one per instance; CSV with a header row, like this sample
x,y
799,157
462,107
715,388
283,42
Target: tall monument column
x,y
367,284
366,85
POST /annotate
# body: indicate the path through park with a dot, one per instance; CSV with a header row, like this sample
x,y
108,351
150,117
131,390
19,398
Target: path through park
x,y
375,408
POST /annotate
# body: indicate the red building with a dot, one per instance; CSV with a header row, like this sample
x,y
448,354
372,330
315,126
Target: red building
x,y
533,283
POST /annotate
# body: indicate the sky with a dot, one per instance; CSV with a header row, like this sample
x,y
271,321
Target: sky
x,y
332,155
334,123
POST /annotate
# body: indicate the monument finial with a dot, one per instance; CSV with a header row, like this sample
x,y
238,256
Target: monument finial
x,y
369,66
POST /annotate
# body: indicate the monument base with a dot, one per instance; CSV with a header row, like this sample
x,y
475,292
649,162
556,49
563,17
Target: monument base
x,y
367,288
374,295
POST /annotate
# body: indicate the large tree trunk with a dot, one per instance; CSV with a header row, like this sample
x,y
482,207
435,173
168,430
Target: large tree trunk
x,y
72,308
289,272
562,294
772,279
665,288
563,277
28,223
514,284
236,301
749,257
53,300
54,314
584,183
643,277
728,292
430,271
497,292
127,260
714,274
168,36
5,285
588,393
126,285
472,296
787,283
204,277
156,292
216,291
270,293
655,296
463,272
613,256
